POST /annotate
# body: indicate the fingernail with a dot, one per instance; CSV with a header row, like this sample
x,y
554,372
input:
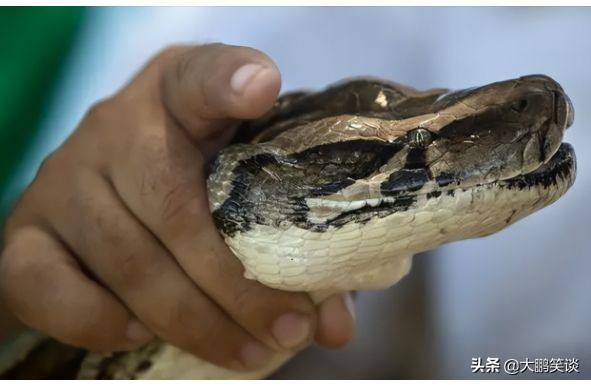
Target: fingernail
x,y
137,332
244,75
291,330
254,355
349,304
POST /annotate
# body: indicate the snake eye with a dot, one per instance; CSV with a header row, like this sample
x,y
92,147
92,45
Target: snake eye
x,y
420,138
519,106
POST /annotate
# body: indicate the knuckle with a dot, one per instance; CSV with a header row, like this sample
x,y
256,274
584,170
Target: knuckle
x,y
260,305
94,328
103,121
196,331
182,65
131,259
250,296
14,220
179,200
18,274
13,264
51,172
86,331
170,52
171,180
133,268
213,334
129,265
101,112
53,177
184,55
205,53
173,60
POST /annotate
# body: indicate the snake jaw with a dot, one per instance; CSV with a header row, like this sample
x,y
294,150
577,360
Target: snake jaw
x,y
562,165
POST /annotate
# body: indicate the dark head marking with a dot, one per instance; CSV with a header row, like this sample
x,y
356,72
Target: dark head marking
x,y
420,138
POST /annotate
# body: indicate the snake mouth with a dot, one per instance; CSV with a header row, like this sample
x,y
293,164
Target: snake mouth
x,y
562,165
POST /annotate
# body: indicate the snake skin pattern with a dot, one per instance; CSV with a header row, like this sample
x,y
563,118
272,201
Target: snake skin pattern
x,y
337,190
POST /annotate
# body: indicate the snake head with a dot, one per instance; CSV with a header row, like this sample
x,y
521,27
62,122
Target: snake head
x,y
337,189
489,133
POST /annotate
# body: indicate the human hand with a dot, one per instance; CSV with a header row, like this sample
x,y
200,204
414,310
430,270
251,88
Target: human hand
x,y
113,242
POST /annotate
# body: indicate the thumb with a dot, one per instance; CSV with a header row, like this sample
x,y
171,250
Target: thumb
x,y
206,86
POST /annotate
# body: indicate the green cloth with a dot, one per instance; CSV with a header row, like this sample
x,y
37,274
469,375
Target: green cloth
x,y
34,42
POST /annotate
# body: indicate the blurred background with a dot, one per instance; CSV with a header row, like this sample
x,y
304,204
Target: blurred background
x,y
520,294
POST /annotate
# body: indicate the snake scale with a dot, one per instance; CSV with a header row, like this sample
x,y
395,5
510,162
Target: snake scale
x,y
338,189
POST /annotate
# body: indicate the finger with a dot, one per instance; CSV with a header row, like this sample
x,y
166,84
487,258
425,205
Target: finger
x,y
204,85
174,207
45,288
336,321
130,261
